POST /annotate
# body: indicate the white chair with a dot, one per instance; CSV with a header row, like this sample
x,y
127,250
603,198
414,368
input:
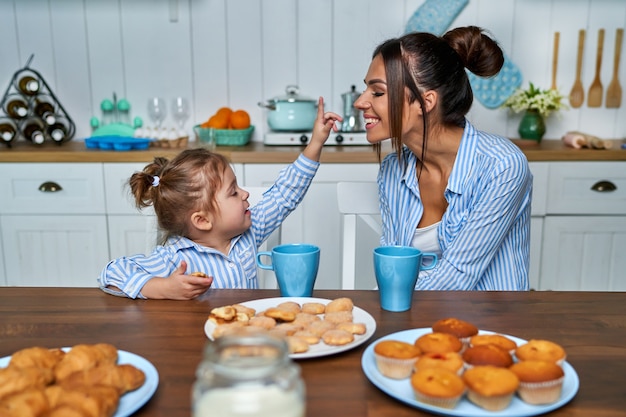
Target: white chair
x,y
266,278
356,200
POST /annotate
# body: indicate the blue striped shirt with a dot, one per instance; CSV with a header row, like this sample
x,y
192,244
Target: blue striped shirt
x,y
485,231
237,269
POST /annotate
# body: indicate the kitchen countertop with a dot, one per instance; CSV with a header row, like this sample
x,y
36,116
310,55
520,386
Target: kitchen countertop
x,y
258,153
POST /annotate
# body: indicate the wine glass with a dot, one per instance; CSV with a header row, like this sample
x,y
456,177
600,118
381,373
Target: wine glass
x,y
180,111
157,110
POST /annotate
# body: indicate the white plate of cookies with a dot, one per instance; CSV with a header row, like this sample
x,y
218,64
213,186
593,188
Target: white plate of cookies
x,y
313,327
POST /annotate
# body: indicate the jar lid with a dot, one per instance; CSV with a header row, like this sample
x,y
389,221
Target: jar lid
x,y
292,96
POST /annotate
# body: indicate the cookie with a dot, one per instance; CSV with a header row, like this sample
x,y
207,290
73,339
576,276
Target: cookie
x,y
354,328
263,322
305,319
339,304
250,312
338,316
310,337
337,337
313,308
320,327
289,306
280,314
297,344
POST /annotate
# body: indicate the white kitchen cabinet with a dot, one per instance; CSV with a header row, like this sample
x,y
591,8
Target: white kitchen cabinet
x,y
317,220
130,231
537,215
53,223
54,250
585,227
584,253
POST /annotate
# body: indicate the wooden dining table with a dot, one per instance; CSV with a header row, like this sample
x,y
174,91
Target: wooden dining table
x,y
591,326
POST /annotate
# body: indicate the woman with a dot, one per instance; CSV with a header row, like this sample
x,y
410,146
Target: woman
x,y
449,188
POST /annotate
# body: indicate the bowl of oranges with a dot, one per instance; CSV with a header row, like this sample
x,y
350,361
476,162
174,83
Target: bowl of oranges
x,y
226,127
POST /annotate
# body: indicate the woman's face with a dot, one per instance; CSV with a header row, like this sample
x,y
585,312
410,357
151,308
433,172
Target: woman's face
x,y
373,102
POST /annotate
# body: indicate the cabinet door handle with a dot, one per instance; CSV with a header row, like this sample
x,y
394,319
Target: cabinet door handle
x,y
603,186
50,187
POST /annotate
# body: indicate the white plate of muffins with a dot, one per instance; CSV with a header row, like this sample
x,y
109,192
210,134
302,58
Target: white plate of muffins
x,y
402,382
313,327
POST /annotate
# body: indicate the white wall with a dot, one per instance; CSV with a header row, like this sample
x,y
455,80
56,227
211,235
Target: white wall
x,y
239,52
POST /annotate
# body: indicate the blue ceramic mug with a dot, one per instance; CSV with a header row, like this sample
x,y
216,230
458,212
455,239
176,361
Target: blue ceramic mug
x,y
295,266
396,269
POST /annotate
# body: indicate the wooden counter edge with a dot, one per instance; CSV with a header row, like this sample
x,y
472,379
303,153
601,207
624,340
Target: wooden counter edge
x,y
258,153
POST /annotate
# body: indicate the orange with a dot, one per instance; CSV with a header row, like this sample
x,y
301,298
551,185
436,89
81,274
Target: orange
x,y
239,119
216,122
224,112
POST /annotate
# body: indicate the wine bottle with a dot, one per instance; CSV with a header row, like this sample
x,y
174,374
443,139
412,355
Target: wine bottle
x,y
59,131
8,130
45,110
28,84
33,130
16,107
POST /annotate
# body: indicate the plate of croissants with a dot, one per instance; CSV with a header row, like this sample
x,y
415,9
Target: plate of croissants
x,y
82,380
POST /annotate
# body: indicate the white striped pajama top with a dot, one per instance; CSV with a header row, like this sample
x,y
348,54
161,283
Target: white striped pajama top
x,y
485,231
238,269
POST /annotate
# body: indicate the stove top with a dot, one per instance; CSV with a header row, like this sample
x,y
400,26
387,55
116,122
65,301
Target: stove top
x,y
302,138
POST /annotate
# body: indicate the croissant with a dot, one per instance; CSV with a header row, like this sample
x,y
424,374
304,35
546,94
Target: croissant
x,y
13,379
27,403
89,401
37,356
122,377
82,357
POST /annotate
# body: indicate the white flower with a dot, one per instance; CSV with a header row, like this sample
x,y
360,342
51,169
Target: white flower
x,y
543,101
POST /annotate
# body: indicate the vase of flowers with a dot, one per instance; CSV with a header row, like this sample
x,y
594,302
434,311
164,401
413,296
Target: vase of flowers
x,y
537,105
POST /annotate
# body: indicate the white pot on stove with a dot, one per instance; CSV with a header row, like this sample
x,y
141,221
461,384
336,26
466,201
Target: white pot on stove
x,y
291,112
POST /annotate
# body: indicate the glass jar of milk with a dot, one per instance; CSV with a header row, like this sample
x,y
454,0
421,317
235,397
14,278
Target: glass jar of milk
x,y
248,375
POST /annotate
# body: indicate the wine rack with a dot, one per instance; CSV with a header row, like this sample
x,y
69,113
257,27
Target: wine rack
x,y
30,111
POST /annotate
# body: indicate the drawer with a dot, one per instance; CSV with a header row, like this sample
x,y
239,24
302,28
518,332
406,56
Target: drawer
x,y
587,188
51,188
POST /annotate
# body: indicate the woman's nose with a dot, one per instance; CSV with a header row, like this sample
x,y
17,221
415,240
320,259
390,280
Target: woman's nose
x,y
359,103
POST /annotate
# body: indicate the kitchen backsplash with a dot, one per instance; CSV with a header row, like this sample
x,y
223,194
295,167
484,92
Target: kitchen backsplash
x,y
237,53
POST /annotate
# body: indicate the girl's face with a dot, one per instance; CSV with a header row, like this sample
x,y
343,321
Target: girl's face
x,y
232,201
373,102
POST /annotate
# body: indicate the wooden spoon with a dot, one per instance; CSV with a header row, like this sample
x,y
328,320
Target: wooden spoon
x,y
614,90
595,90
577,95
555,58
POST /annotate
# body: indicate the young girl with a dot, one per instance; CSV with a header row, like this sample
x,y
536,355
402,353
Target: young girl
x,y
212,234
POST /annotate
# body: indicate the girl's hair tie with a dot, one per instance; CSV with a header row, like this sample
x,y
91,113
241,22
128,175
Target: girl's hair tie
x,y
155,181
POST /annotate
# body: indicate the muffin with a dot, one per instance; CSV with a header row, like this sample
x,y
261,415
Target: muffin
x,y
487,355
490,387
438,343
541,382
395,359
451,361
541,350
437,386
456,327
494,339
